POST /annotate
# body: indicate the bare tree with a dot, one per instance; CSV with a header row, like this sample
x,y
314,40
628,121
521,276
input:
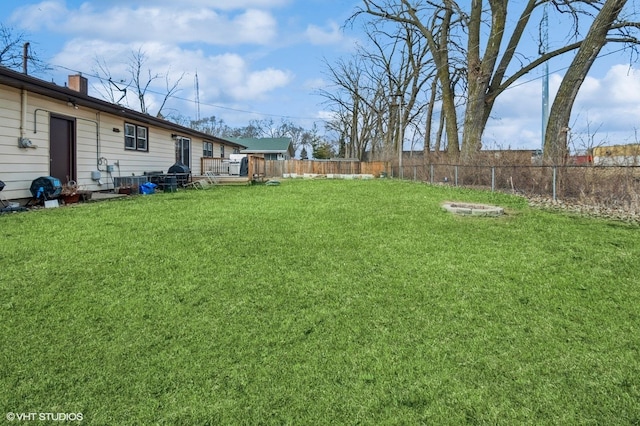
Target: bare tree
x,y
171,88
377,92
404,61
355,102
212,126
115,92
16,52
474,38
556,143
139,81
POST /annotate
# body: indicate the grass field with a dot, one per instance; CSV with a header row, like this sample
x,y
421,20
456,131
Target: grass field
x,y
319,302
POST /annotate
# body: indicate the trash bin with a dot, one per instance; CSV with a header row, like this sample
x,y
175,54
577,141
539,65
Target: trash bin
x,y
170,184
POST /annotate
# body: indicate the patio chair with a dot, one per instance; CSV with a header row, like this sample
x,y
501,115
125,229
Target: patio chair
x,y
209,179
196,184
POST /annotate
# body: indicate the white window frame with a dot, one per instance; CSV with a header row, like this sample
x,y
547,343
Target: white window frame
x,y
207,149
136,138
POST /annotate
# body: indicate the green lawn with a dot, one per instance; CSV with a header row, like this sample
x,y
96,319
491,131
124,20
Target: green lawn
x,y
319,302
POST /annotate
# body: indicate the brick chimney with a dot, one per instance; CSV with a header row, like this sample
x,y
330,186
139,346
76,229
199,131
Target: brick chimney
x,y
79,83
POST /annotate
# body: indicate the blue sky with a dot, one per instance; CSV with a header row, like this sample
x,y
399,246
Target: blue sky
x,y
259,59
262,56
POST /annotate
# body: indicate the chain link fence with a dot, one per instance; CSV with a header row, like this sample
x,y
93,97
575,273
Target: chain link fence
x,y
614,186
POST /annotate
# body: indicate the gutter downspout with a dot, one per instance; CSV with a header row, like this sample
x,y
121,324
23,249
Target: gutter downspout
x,y
98,140
23,115
23,141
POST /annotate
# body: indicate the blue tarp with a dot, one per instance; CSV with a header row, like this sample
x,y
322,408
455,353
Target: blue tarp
x,y
148,188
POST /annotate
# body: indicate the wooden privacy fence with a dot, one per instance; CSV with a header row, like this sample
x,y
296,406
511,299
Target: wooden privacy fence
x,y
277,168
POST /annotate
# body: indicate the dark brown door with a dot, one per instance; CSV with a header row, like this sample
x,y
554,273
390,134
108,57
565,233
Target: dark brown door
x,y
62,152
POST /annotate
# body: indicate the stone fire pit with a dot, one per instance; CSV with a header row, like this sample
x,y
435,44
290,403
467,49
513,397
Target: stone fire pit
x,y
472,209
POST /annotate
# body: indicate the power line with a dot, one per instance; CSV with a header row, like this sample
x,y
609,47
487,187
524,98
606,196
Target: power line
x,y
266,114
558,70
315,119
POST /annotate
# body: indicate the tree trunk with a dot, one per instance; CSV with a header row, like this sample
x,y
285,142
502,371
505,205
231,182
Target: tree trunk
x,y
439,45
438,145
556,135
480,69
429,119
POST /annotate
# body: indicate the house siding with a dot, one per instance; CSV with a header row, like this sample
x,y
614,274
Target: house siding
x,y
18,165
98,133
95,139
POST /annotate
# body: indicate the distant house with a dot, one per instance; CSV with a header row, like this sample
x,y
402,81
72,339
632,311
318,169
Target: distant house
x,y
271,148
50,130
617,155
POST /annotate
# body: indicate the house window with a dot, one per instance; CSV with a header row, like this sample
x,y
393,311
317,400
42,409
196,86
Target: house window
x,y
207,149
221,151
136,137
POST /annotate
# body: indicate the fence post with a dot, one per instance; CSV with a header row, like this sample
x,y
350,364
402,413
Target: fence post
x,y
456,174
431,173
555,174
493,178
415,173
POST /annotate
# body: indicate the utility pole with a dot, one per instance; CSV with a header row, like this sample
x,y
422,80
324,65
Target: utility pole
x,y
25,57
197,90
397,105
544,48
400,137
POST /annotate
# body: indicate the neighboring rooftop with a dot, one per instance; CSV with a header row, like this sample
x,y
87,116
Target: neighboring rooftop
x,y
266,145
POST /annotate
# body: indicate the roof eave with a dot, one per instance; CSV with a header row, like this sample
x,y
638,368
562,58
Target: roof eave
x,y
25,82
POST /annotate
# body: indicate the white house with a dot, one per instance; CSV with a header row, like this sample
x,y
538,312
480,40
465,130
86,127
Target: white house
x,y
269,148
49,130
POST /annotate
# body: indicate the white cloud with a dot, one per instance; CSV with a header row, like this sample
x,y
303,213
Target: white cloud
x,y
39,16
315,84
222,78
254,85
253,27
216,4
146,24
330,34
625,84
327,115
607,110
